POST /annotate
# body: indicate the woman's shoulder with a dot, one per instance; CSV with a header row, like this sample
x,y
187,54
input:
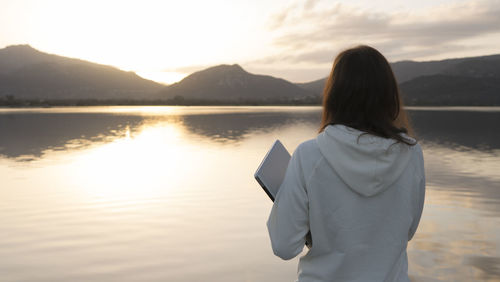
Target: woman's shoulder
x,y
417,160
308,147
308,153
416,149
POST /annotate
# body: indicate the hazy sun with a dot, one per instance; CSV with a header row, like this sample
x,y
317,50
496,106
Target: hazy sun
x,y
152,38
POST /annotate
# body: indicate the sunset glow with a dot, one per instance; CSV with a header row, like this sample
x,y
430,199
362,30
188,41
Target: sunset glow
x,y
167,40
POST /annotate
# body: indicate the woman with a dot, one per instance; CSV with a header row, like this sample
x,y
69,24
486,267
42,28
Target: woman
x,y
358,188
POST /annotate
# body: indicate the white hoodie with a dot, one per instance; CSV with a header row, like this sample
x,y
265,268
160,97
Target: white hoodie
x,y
361,199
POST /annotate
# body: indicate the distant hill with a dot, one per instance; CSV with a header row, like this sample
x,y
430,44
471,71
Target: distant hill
x,y
26,73
466,82
408,70
233,83
447,90
30,75
463,81
315,86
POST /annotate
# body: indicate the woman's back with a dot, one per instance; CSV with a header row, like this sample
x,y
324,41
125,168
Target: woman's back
x,y
360,197
358,188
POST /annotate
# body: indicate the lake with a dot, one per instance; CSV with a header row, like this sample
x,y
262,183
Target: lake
x,y
167,193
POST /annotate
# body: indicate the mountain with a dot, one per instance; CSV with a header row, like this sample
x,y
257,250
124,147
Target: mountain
x,y
26,73
315,86
449,90
408,70
232,83
465,82
459,82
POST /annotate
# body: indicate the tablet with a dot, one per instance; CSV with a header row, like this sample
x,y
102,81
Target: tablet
x,y
271,171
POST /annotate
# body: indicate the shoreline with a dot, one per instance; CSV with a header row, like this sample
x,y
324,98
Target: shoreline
x,y
105,103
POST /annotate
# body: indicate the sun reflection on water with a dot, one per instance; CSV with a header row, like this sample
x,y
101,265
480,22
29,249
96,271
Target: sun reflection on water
x,y
147,165
167,194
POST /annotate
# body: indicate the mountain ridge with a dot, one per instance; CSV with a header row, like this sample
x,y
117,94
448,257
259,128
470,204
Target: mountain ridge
x,y
233,83
27,74
457,81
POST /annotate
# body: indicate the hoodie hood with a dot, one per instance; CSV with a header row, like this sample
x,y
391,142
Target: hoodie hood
x,y
367,164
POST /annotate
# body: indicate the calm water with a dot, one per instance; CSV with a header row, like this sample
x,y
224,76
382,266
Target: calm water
x,y
167,193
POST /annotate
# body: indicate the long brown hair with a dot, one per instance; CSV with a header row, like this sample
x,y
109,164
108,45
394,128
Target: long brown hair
x,y
361,92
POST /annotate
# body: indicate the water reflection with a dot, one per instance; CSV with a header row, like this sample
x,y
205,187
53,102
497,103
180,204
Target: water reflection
x,y
459,129
236,126
454,233
26,135
490,266
166,194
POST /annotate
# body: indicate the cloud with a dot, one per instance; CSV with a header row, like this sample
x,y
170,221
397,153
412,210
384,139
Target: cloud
x,y
310,4
278,19
315,35
296,74
318,56
188,69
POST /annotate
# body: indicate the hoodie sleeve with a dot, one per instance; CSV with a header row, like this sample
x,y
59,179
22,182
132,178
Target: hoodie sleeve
x,y
420,199
288,222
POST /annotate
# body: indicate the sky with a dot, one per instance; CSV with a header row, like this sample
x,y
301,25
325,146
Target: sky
x,y
295,40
